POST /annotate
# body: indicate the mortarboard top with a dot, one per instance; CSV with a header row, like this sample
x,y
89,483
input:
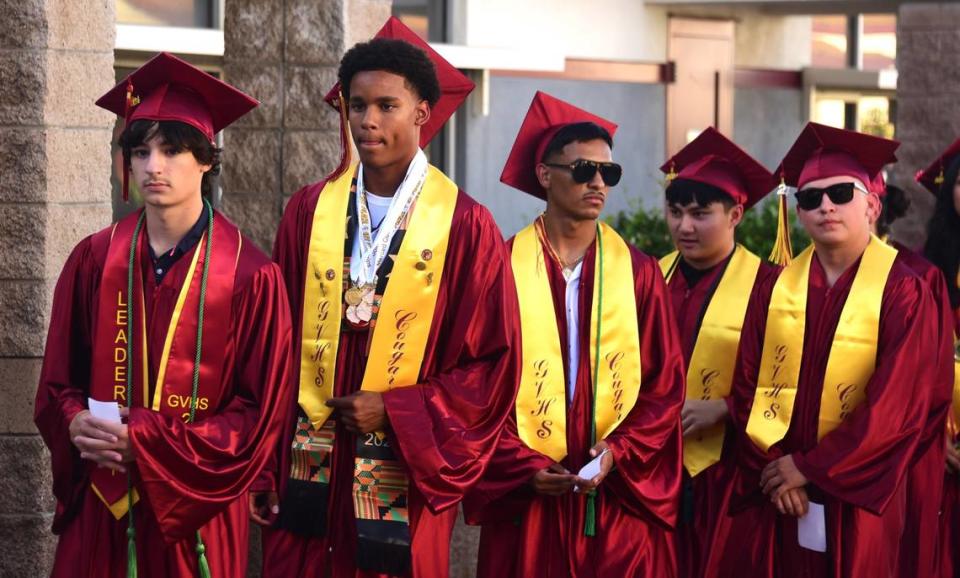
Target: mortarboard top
x,y
932,177
822,151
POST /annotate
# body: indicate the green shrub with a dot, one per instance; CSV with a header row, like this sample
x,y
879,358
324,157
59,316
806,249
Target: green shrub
x,y
647,230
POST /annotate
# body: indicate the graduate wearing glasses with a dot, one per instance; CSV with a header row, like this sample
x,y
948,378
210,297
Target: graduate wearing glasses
x,y
711,182
830,395
602,377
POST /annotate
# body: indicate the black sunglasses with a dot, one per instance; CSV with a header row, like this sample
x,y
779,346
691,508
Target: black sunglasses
x,y
583,171
839,194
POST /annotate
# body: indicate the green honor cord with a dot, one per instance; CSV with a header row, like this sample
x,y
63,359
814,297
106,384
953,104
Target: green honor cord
x,y
202,564
590,523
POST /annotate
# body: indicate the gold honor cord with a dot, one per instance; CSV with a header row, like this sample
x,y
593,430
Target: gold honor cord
x,y
541,406
669,264
852,354
406,311
710,373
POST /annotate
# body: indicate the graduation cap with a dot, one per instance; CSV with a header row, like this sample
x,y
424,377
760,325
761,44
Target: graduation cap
x,y
932,177
167,88
715,160
546,116
823,151
455,87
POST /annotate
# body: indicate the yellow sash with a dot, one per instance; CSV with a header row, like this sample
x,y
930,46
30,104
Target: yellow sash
x,y
406,311
853,353
710,373
541,402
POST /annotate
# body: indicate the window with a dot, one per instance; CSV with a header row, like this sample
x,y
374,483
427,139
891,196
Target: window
x,y
186,13
416,15
829,42
878,42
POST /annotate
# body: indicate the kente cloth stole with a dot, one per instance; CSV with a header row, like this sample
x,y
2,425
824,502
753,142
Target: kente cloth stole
x,y
174,385
853,353
541,409
710,373
398,336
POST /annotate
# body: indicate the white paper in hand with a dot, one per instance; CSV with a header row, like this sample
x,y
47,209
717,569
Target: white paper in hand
x,y
105,410
812,529
592,468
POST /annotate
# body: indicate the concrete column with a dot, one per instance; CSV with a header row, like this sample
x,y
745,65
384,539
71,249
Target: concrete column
x,y
56,58
928,101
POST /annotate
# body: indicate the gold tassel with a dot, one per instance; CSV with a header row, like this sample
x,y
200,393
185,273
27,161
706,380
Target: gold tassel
x,y
671,175
940,178
782,253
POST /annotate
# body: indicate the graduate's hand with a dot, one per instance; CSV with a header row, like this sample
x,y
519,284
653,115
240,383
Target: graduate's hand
x,y
699,415
793,502
606,464
953,456
780,476
553,481
361,412
100,441
264,507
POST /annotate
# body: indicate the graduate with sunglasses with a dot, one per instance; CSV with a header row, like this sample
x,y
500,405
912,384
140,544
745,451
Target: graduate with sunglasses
x,y
602,377
942,179
831,390
711,182
180,319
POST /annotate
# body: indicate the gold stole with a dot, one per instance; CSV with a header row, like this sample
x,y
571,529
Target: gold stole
x,y
541,401
853,353
710,373
406,311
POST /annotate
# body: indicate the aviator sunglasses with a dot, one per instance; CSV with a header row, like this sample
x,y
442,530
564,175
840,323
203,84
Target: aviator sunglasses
x,y
839,194
583,171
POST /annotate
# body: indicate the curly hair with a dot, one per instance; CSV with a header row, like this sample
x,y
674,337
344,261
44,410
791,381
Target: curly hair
x,y
181,137
896,203
943,233
391,55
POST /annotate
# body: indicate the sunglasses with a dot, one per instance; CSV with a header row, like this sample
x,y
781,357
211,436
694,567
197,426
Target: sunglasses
x,y
583,171
839,194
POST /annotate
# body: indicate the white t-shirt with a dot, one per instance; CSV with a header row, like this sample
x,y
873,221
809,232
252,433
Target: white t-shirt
x,y
573,329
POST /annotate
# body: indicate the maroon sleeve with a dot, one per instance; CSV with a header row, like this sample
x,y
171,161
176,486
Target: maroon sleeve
x,y
864,459
446,427
65,376
647,446
190,472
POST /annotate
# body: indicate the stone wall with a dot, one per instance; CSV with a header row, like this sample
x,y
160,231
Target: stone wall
x,y
928,101
56,58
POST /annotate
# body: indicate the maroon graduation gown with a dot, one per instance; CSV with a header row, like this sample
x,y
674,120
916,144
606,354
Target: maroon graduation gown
x,y
859,470
711,488
189,476
529,535
445,427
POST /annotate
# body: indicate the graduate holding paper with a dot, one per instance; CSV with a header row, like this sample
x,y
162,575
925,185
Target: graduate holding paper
x,y
173,314
602,375
830,393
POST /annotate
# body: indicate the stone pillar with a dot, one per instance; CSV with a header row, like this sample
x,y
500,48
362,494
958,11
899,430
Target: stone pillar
x,y
928,101
285,53
56,58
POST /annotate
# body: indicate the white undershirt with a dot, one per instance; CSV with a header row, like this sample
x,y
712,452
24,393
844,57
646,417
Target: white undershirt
x,y
378,207
573,329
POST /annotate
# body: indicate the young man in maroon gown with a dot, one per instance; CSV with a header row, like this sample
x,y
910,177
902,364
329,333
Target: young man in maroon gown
x,y
539,516
406,347
710,278
830,396
174,315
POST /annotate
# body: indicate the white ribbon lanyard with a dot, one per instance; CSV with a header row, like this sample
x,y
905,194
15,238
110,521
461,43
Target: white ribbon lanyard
x,y
373,249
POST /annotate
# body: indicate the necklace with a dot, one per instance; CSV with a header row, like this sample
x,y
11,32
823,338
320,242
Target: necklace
x,y
565,268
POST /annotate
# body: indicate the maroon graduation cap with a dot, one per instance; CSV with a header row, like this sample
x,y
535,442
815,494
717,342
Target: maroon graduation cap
x,y
715,160
546,116
822,151
932,177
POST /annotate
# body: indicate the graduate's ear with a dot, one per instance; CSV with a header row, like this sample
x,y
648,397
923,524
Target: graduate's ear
x,y
736,214
543,175
874,207
422,113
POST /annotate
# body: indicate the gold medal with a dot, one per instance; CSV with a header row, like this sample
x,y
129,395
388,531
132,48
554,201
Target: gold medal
x,y
353,295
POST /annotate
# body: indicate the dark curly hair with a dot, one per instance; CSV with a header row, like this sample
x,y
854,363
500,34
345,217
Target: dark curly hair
x,y
896,203
943,233
575,132
391,55
182,137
